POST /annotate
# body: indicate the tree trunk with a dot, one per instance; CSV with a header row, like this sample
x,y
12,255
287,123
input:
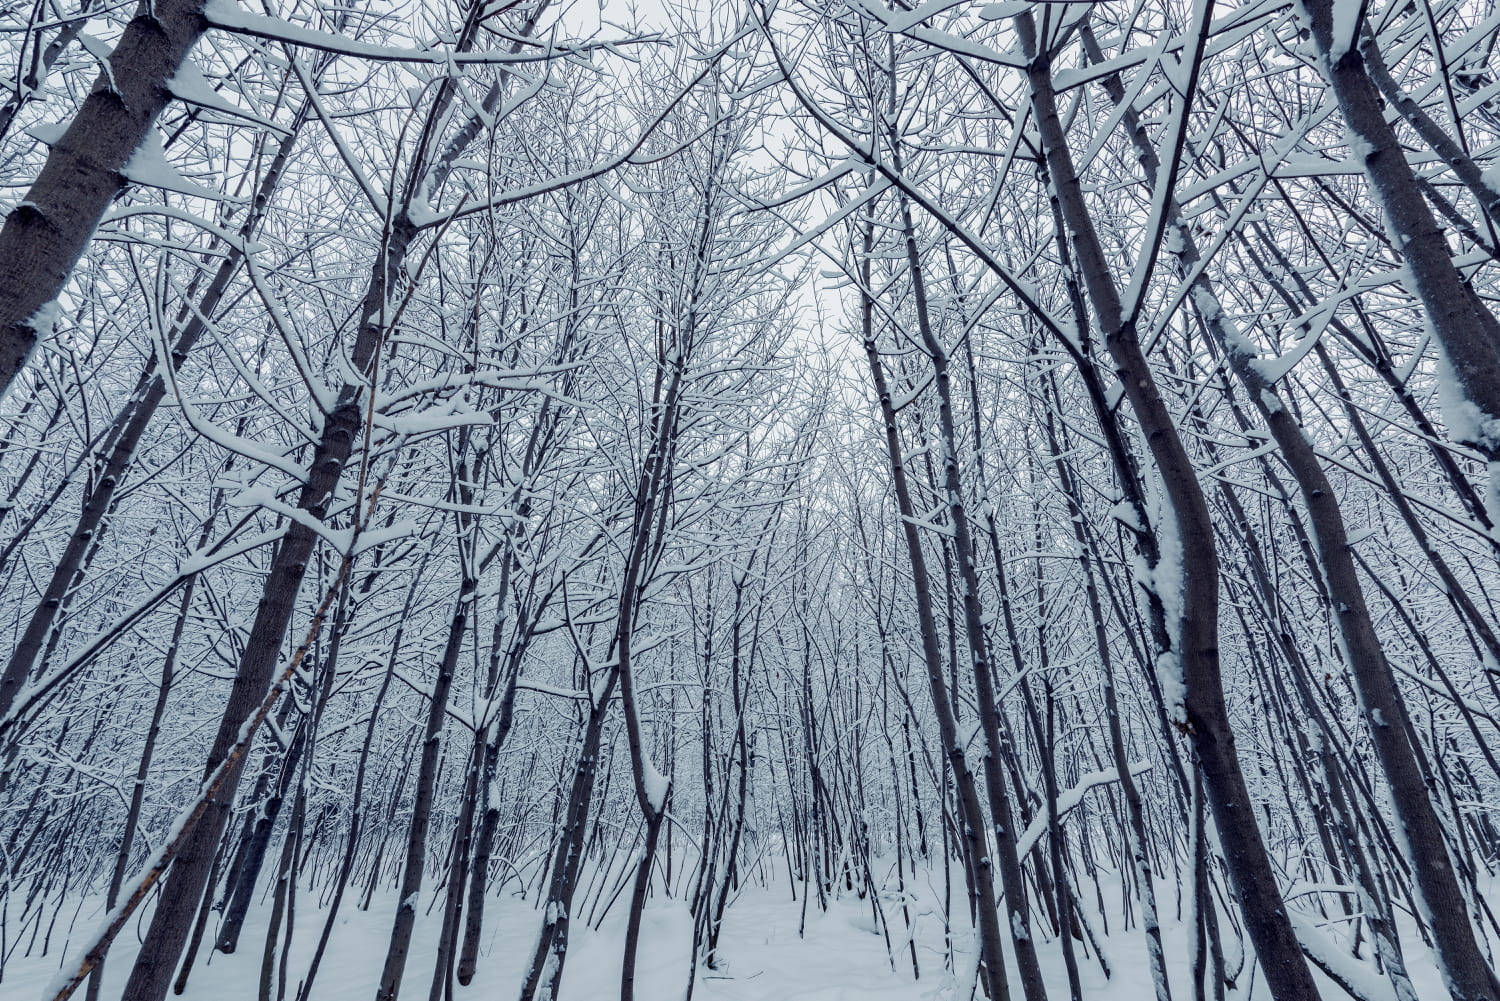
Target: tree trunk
x,y
46,234
1204,714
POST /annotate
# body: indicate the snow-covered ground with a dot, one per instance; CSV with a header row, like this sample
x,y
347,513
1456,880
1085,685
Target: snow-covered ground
x,y
841,955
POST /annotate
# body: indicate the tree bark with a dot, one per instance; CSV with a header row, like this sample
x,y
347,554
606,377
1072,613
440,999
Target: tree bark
x,y
47,232
1205,716
1464,327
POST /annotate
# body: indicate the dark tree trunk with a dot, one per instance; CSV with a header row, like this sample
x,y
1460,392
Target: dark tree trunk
x,y
1205,716
46,234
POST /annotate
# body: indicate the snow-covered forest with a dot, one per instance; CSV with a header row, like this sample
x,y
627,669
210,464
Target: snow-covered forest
x,y
773,499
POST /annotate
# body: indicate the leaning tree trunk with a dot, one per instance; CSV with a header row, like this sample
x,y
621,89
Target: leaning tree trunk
x,y
544,975
1136,839
437,708
123,438
163,945
172,921
651,788
1375,682
357,796
1463,964
45,235
971,813
988,706
148,751
1464,327
1205,715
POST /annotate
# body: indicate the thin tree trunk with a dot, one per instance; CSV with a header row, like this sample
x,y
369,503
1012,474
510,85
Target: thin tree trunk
x,y
971,813
124,437
415,865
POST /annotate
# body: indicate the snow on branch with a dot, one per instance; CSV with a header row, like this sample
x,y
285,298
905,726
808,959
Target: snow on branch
x,y
1068,801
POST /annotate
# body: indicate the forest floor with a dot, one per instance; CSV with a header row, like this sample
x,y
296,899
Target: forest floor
x,y
771,950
